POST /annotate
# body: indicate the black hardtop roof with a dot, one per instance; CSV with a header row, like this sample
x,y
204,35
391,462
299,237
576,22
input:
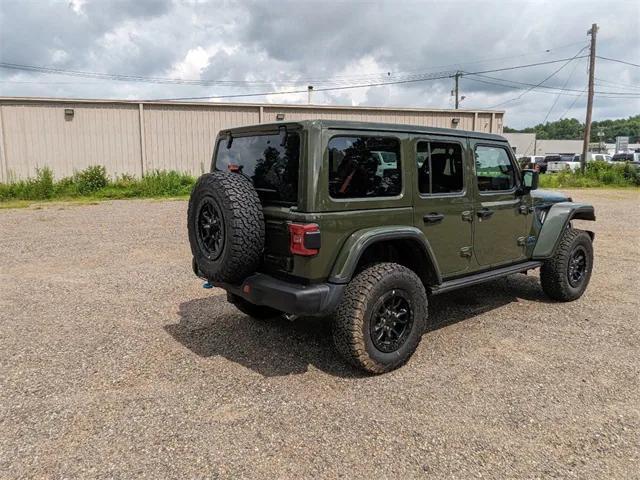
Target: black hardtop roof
x,y
373,126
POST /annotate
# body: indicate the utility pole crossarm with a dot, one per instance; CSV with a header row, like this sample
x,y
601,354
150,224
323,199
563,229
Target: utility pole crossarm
x,y
587,126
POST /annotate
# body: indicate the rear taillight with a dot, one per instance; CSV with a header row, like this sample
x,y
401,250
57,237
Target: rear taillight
x,y
304,239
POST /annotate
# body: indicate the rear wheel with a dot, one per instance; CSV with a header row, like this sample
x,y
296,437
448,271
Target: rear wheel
x,y
565,276
380,320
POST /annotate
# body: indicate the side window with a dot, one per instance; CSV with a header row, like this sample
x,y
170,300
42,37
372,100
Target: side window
x,y
361,167
440,167
494,169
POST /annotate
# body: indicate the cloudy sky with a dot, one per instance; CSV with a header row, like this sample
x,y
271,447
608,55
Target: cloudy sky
x,y
268,46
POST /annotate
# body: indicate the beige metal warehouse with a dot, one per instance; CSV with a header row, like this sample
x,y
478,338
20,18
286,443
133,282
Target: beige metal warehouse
x,y
136,137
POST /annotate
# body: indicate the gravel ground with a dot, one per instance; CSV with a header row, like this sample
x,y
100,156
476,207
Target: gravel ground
x,y
115,363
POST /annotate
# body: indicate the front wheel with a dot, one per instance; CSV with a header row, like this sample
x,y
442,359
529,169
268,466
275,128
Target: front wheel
x,y
565,276
380,320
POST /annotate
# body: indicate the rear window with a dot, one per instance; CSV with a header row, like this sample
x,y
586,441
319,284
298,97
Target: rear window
x,y
272,167
622,157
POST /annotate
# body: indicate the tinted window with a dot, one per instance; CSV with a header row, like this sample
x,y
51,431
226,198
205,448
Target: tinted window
x,y
494,169
362,166
439,167
622,157
273,168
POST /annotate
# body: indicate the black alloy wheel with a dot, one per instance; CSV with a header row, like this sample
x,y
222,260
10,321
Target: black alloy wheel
x,y
392,321
577,266
210,228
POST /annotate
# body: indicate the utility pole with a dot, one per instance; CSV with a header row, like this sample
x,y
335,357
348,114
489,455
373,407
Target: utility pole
x,y
457,91
587,125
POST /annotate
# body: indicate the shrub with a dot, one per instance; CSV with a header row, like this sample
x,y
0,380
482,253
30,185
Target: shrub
x,y
42,185
597,174
163,183
91,179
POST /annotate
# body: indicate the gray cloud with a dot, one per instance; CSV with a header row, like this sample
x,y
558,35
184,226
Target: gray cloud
x,y
346,42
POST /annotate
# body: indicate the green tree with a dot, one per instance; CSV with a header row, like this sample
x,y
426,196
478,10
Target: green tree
x,y
573,129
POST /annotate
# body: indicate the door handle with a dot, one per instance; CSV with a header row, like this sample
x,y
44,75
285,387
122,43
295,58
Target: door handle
x,y
433,218
485,213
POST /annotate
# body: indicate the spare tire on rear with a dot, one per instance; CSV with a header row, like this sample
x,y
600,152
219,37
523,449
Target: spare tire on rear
x,y
226,227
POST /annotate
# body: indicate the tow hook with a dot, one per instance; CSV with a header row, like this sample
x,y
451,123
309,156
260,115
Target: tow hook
x,y
290,316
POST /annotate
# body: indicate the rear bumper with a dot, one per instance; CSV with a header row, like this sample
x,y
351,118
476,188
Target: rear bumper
x,y
317,299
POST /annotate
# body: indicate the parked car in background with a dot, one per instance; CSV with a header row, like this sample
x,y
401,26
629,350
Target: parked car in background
x,y
599,157
530,161
572,162
569,162
535,162
544,165
626,157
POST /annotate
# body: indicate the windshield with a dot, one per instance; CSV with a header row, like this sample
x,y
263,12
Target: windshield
x,y
272,168
622,157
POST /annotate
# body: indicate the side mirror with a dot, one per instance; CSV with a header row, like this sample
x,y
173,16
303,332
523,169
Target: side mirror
x,y
529,180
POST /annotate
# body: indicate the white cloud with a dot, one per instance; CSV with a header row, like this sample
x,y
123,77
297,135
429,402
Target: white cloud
x,y
276,43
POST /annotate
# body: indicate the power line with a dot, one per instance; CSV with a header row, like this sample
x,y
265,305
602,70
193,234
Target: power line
x,y
558,96
515,87
617,84
540,83
193,82
548,87
572,104
297,81
617,61
325,89
423,78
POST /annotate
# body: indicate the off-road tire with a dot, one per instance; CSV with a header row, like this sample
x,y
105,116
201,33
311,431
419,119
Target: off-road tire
x,y
554,273
259,312
353,317
243,235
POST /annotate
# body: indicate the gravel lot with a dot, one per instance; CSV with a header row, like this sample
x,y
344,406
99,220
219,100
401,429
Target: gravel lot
x,y
115,363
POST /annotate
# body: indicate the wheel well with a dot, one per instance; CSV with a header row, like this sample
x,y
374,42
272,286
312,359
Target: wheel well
x,y
406,252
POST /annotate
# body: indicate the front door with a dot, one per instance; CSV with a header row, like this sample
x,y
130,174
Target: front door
x,y
443,201
500,211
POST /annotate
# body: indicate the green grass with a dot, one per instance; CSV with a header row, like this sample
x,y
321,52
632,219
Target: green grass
x,y
93,184
597,175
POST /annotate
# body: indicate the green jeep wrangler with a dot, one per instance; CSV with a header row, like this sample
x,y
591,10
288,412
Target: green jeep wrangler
x,y
362,222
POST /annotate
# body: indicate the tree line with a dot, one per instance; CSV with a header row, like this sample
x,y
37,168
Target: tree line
x,y
573,129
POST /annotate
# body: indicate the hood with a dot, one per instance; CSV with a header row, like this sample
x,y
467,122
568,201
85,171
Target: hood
x,y
548,197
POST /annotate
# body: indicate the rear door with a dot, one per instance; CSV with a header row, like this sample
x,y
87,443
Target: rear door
x,y
443,200
501,213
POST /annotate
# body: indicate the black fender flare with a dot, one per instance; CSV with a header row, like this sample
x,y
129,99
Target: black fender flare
x,y
555,222
352,250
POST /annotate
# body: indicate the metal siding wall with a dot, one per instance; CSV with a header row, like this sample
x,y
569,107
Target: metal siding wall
x,y
38,135
182,137
484,123
176,137
427,119
3,159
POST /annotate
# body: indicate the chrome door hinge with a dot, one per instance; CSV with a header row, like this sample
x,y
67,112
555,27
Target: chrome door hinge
x,y
522,241
466,251
467,216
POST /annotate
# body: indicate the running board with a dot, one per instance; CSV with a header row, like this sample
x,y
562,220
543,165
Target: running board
x,y
450,285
